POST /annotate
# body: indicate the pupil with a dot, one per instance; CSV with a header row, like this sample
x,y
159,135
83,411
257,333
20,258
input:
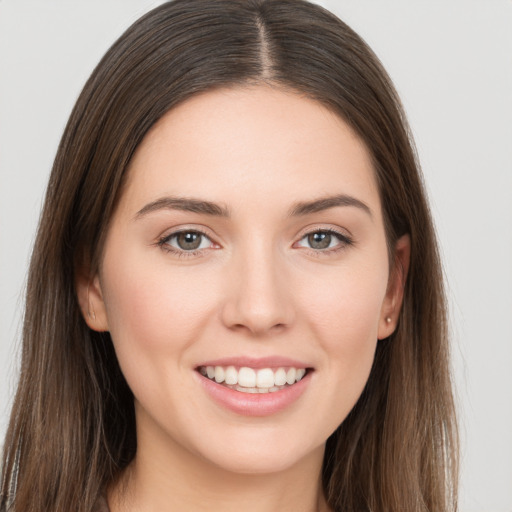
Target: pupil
x,y
189,241
319,240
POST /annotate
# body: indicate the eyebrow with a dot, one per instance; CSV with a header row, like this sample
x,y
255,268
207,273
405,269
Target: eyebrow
x,y
324,203
186,204
189,204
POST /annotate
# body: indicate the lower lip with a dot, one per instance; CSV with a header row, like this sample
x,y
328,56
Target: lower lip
x,y
254,404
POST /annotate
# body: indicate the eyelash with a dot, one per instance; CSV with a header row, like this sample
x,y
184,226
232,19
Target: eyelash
x,y
344,242
163,243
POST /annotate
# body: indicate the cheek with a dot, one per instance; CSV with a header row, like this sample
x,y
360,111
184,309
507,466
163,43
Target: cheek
x,y
348,307
345,317
340,307
155,315
151,308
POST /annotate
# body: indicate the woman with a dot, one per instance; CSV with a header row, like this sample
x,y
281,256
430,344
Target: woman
x,y
235,297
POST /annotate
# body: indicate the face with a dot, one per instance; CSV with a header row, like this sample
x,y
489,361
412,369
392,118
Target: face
x,y
245,279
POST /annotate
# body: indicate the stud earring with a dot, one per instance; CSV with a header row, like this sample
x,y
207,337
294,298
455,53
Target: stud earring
x,y
388,320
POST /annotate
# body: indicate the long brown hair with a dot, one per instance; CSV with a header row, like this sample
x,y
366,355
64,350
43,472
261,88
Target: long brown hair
x,y
72,427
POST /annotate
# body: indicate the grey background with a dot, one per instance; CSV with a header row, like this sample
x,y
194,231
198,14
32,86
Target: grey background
x,y
452,64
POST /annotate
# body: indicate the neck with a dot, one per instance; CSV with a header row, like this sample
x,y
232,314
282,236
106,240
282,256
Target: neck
x,y
168,478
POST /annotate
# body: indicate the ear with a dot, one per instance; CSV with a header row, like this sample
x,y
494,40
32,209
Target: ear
x,y
90,299
396,285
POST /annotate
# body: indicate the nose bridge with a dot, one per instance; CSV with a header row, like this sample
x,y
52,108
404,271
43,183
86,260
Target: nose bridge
x,y
259,299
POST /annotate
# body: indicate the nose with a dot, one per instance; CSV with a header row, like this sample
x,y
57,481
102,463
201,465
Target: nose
x,y
258,299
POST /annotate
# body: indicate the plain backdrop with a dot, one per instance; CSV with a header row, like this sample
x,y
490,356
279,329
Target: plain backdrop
x,y
451,62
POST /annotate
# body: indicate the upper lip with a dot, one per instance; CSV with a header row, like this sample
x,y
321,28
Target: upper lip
x,y
256,362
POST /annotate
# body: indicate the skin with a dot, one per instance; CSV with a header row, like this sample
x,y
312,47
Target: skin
x,y
255,288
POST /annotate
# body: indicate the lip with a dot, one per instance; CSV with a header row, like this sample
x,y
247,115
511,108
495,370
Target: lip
x,y
255,404
256,362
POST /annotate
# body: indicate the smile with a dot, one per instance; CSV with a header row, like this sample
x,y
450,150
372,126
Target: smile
x,y
251,380
255,386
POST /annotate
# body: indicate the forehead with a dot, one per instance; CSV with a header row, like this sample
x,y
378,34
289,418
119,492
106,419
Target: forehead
x,y
251,142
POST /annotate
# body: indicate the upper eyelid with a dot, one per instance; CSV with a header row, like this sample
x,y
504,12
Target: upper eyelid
x,y
190,230
169,233
341,237
166,238
342,232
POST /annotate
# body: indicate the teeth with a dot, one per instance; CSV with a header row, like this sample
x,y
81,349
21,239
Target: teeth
x,y
219,374
280,377
247,377
248,380
231,375
265,378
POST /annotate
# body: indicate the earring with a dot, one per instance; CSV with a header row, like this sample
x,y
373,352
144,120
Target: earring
x,y
388,320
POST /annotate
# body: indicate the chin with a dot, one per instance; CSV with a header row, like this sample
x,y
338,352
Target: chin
x,y
262,454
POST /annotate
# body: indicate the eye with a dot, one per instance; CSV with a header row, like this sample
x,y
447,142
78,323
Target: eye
x,y
324,239
186,241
